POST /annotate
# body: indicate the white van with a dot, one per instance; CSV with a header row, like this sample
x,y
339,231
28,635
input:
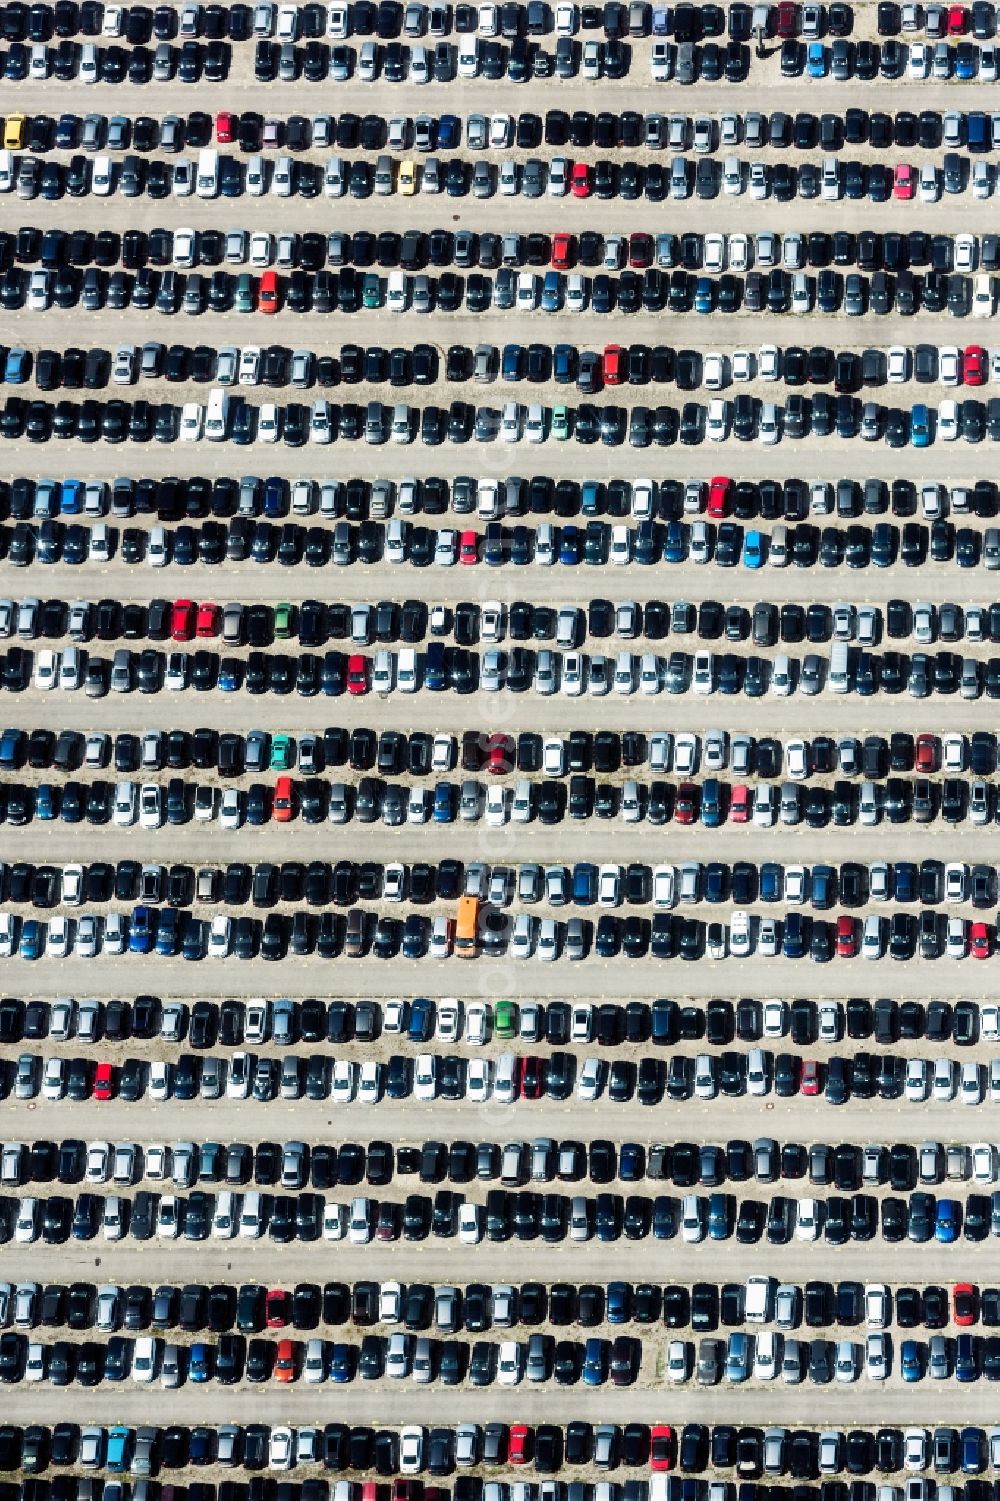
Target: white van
x,y
839,679
395,292
217,414
757,1305
503,1079
100,177
406,670
206,183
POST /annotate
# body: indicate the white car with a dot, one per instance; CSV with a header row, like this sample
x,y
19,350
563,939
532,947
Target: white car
x,y
144,1360
588,1083
664,886
220,936
713,372
281,1449
876,1357
425,1077
739,934
478,1023
478,1080
677,1361
46,670
685,755
510,1365
411,1450
765,1355
949,365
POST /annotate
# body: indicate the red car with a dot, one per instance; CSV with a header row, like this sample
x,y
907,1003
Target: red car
x,y
976,365
500,754
641,248
267,298
103,1082
847,937
530,1071
928,751
579,180
979,940
966,1304
284,801
740,804
284,1362
208,621
225,127
519,1443
182,620
661,1447
718,496
686,803
563,252
357,675
468,549
904,181
958,20
277,1308
788,19
809,1082
614,370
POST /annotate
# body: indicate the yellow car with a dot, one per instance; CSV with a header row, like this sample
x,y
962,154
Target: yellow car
x,y
15,132
406,182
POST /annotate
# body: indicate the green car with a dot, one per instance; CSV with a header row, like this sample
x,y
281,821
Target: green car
x,y
282,753
560,423
244,300
282,622
371,291
505,1019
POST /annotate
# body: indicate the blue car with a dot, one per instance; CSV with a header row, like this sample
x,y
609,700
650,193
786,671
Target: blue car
x,y
970,1440
947,1221
920,426
443,812
703,295
593,1363
71,497
141,931
118,1445
166,932
910,1366
569,546
618,1311
753,550
673,543
551,292
793,944
816,60
11,749
421,1023
228,679
711,803
967,1370
17,367
45,802
965,61
563,362
198,1367
631,1169
512,364
31,939
275,504
449,133
340,1364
